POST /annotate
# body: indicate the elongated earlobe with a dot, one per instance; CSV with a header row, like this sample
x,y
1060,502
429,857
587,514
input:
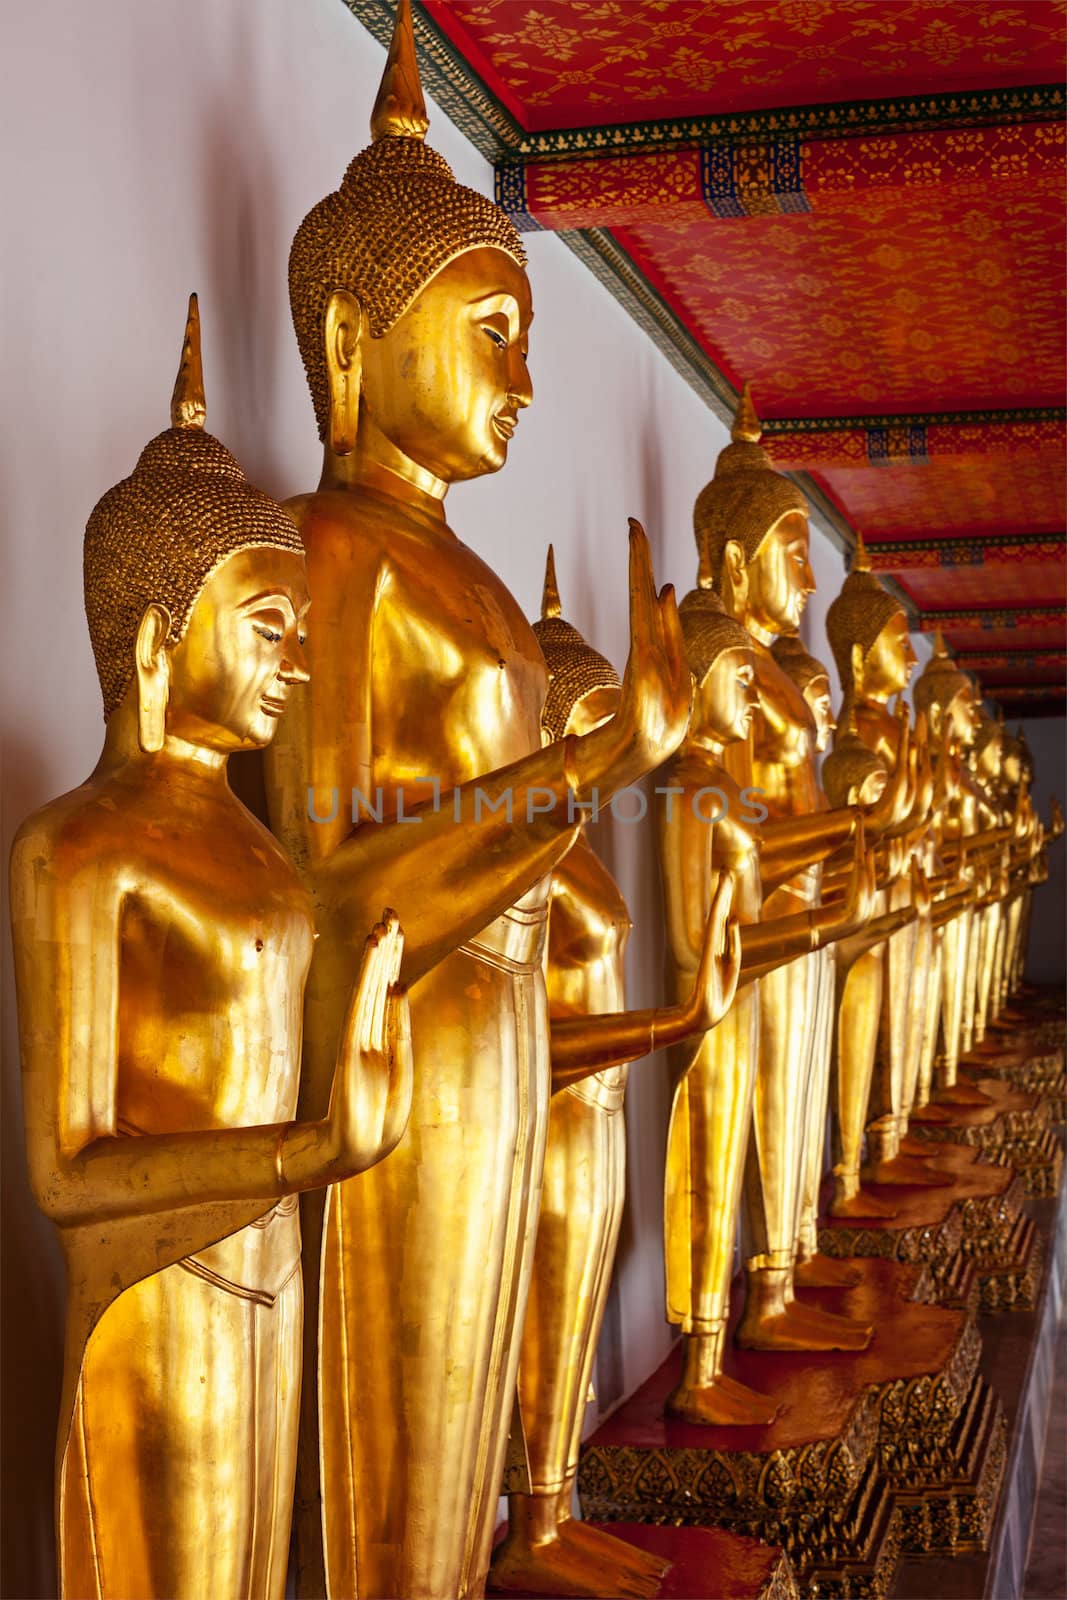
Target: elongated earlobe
x,y
857,668
736,574
344,368
153,678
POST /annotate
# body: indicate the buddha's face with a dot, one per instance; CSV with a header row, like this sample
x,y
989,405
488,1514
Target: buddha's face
x,y
889,663
242,652
1011,767
726,698
780,576
817,695
593,709
991,758
961,717
446,384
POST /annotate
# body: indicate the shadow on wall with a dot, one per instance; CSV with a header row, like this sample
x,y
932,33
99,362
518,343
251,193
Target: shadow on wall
x,y
629,852
238,239
33,1296
1047,951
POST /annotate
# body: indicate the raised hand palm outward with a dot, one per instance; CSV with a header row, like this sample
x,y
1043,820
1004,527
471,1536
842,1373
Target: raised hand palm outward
x,y
720,960
372,1087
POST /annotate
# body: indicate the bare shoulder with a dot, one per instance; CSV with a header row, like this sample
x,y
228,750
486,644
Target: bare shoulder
x,y
84,828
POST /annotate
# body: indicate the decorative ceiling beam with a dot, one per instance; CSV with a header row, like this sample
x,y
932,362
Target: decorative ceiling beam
x,y
1024,691
989,617
962,550
790,174
916,440
977,660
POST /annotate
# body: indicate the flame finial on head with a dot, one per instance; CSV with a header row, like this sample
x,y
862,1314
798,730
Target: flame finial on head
x,y
400,110
747,427
940,647
188,408
861,561
550,601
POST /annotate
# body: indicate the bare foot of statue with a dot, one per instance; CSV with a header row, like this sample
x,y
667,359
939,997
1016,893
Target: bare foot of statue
x,y
567,1567
925,1149
771,1321
906,1172
930,1113
963,1094
722,1402
618,1560
547,1553
824,1272
861,1206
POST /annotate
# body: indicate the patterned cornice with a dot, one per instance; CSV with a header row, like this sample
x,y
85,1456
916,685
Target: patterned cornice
x,y
916,419
994,616
1009,658
976,546
848,119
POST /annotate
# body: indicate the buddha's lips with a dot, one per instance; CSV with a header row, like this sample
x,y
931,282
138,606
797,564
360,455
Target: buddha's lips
x,y
271,706
505,425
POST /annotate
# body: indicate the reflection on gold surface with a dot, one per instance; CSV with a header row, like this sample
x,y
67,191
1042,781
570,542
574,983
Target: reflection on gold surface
x,y
427,678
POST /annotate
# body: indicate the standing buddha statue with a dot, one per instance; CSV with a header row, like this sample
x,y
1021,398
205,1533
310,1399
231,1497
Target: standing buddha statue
x,y
752,532
412,311
162,940
868,632
985,762
592,1037
946,695
813,680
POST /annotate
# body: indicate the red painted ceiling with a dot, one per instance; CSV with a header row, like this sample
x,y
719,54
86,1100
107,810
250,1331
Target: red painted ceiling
x,y
913,270
916,301
576,63
970,495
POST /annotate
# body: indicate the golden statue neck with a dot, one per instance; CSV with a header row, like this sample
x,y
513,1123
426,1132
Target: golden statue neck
x,y
738,608
178,757
378,463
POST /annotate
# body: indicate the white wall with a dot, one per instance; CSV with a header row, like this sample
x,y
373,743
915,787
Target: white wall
x,y
149,149
1047,957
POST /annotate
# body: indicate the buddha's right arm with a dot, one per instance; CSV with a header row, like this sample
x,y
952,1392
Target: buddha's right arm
x,y
452,866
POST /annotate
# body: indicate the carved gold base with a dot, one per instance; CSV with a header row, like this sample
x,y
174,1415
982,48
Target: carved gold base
x,y
1010,1118
947,1497
908,1416
973,1236
1029,1067
925,1230
1039,1165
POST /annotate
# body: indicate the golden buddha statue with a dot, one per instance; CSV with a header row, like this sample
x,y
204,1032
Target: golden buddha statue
x,y
1012,785
162,941
868,633
946,695
812,1270
752,533
592,1037
416,762
985,761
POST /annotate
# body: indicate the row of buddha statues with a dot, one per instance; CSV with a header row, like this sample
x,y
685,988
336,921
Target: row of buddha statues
x,y
217,1017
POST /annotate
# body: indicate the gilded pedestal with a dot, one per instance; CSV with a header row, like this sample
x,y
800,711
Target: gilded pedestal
x,y
896,1447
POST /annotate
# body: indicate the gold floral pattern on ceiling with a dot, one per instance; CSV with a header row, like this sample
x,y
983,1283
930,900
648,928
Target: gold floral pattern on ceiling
x,y
560,63
917,302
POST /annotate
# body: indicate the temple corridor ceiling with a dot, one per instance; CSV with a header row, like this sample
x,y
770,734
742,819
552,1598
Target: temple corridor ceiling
x,y
856,205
